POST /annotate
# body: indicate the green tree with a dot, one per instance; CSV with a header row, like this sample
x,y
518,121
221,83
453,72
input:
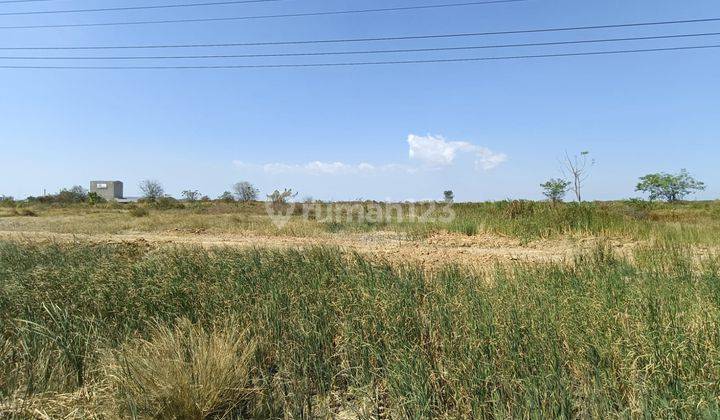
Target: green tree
x,y
449,196
555,189
669,187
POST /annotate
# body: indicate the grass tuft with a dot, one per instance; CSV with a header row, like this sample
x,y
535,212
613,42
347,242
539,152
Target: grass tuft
x,y
185,371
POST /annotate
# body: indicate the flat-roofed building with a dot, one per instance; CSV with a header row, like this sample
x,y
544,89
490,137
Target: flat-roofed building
x,y
109,190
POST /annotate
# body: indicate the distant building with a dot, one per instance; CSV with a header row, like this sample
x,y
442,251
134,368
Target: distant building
x,y
109,190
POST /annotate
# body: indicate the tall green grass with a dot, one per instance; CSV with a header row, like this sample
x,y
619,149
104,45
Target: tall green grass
x,y
151,332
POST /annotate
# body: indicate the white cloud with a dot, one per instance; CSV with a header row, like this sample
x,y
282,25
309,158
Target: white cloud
x,y
323,168
435,151
432,151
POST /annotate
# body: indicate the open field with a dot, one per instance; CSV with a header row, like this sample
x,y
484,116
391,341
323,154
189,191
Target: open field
x,y
119,330
478,234
694,222
513,309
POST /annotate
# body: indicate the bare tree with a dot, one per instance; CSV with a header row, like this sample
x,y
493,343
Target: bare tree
x,y
152,189
577,168
245,192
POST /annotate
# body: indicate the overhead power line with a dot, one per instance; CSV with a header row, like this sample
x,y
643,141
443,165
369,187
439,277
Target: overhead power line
x,y
22,1
118,9
368,63
361,52
274,16
375,39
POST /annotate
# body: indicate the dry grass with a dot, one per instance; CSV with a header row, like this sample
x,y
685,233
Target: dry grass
x,y
690,223
194,333
184,372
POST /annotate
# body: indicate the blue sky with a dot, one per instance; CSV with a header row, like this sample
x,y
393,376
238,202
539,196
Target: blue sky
x,y
488,131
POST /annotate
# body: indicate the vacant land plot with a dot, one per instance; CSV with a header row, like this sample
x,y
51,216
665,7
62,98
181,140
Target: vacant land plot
x,y
477,235
510,310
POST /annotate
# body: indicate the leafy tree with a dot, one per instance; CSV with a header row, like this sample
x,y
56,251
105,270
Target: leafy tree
x,y
245,192
191,195
226,197
669,187
449,196
555,189
151,189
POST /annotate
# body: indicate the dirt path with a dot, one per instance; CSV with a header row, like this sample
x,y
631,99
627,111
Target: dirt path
x,y
440,249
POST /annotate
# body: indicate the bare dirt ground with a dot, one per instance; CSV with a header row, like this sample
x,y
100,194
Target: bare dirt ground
x,y
478,251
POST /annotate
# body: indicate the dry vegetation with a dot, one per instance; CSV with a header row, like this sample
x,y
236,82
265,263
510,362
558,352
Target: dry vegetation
x,y
691,223
90,329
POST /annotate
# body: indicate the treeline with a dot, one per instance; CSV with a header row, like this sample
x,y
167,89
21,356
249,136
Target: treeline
x,y
658,187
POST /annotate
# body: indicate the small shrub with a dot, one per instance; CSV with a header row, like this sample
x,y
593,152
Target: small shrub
x,y
139,212
7,201
226,197
167,203
25,212
94,198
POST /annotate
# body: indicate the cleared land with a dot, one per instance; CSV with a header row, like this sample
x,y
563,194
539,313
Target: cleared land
x,y
511,310
479,234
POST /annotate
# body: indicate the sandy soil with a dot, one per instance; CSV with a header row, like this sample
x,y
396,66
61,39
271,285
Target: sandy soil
x,y
479,251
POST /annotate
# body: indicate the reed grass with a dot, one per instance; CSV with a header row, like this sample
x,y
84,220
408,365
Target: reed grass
x,y
690,223
196,333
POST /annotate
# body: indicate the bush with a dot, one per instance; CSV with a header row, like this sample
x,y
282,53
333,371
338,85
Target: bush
x,y
139,211
167,203
226,197
26,212
7,201
74,195
19,211
94,198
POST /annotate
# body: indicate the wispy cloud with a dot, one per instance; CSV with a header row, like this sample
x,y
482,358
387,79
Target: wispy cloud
x,y
432,152
436,151
324,168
